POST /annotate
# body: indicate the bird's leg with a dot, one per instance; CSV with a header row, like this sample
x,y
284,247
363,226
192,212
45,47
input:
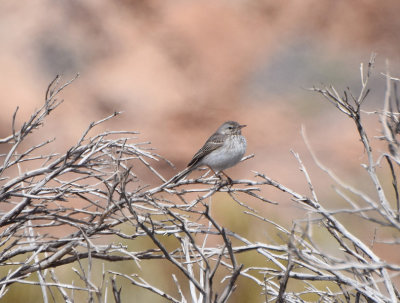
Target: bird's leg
x,y
230,181
217,174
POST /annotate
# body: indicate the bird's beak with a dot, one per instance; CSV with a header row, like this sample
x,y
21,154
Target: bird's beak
x,y
241,126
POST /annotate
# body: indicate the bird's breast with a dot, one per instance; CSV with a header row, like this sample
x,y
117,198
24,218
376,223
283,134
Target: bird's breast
x,y
229,154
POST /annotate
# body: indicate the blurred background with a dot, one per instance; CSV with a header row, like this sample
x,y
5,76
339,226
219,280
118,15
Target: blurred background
x,y
178,69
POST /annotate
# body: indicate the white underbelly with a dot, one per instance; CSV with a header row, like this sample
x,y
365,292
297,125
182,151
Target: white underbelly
x,y
226,156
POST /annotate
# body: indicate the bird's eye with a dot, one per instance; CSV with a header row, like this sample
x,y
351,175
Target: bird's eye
x,y
230,127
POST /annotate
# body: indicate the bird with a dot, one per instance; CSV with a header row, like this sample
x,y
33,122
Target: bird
x,y
224,149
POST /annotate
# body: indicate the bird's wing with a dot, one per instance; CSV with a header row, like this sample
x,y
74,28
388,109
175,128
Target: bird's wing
x,y
214,142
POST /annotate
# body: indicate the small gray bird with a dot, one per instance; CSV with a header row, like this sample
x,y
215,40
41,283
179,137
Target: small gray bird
x,y
224,149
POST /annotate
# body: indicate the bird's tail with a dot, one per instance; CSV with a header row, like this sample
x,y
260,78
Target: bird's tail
x,y
179,176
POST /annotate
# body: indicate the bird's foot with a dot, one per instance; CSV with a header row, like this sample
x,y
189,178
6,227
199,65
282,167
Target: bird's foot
x,y
228,182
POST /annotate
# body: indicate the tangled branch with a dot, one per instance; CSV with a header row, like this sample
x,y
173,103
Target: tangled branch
x,y
88,204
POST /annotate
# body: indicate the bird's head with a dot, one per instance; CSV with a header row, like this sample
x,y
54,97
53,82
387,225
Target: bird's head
x,y
230,128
